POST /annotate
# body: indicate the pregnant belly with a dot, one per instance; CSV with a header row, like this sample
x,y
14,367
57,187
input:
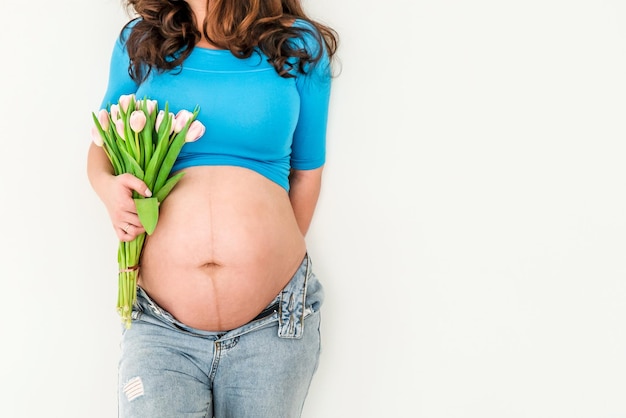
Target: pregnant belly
x,y
226,243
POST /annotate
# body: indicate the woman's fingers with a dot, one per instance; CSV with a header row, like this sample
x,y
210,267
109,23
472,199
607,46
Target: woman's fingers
x,y
122,208
129,231
134,183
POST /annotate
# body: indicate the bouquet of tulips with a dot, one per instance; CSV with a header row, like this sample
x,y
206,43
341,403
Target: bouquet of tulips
x,y
144,141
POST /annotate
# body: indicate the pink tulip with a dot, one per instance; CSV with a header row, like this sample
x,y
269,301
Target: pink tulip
x,y
196,130
96,137
181,119
103,118
119,127
151,106
137,121
125,101
159,120
115,112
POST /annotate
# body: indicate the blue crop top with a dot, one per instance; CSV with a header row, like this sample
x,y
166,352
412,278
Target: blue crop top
x,y
253,117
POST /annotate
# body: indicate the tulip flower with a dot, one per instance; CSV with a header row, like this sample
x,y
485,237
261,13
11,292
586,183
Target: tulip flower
x,y
119,127
151,105
96,137
125,101
181,119
160,118
195,131
103,118
115,112
129,134
137,121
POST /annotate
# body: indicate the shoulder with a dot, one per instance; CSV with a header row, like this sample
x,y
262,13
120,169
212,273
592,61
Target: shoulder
x,y
126,31
307,36
306,28
302,23
131,24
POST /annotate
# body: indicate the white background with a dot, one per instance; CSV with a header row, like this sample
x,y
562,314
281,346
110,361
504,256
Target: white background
x,y
471,232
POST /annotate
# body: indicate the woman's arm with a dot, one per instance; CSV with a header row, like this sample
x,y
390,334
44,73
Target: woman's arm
x,y
304,191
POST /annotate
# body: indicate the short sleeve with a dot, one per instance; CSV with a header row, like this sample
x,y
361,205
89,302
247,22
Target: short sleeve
x,y
309,140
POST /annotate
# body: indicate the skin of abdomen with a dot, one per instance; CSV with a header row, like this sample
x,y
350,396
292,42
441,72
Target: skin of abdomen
x,y
226,243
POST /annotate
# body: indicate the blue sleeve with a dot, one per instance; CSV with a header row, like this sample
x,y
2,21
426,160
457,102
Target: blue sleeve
x,y
120,81
308,149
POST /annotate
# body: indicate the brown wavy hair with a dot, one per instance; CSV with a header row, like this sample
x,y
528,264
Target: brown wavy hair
x,y
165,32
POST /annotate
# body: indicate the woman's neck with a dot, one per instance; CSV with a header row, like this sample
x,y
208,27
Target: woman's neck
x,y
199,9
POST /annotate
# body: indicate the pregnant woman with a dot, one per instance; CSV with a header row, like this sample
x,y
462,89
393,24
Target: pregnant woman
x,y
228,309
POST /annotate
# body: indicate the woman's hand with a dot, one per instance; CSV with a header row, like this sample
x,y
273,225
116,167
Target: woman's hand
x,y
116,192
117,195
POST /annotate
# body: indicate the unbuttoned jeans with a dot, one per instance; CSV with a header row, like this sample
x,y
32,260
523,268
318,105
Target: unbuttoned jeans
x,y
262,369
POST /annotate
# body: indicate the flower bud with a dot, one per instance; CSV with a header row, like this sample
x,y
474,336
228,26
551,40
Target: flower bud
x,y
119,127
159,120
196,130
103,118
151,105
96,137
125,100
181,119
115,112
137,121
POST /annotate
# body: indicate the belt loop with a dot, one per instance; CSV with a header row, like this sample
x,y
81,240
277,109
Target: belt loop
x,y
292,303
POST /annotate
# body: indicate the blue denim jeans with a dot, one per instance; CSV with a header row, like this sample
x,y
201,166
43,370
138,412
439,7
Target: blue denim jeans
x,y
261,369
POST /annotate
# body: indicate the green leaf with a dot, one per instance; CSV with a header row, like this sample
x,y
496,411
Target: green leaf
x,y
132,165
170,158
155,163
166,124
148,211
168,186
